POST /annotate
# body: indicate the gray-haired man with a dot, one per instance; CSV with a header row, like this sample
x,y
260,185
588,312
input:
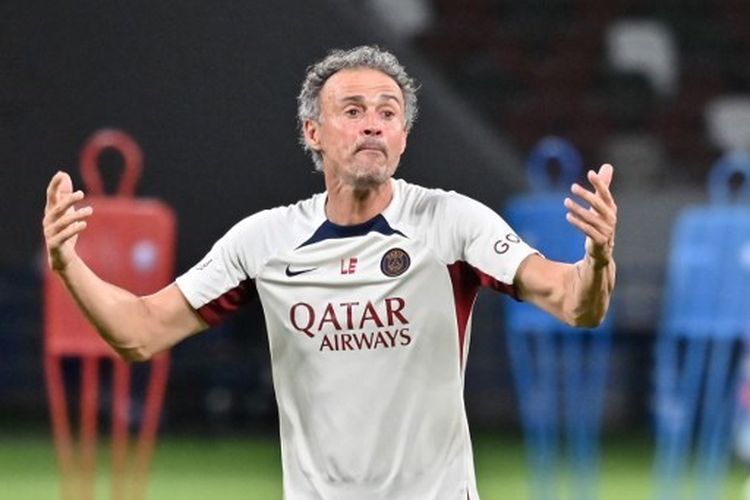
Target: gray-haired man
x,y
367,290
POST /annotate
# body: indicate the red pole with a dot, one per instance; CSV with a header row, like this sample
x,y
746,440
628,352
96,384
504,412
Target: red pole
x,y
60,424
120,413
146,439
89,396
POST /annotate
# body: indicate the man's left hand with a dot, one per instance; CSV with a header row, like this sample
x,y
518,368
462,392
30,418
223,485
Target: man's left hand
x,y
598,222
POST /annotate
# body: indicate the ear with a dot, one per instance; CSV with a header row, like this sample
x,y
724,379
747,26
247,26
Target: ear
x,y
403,142
312,135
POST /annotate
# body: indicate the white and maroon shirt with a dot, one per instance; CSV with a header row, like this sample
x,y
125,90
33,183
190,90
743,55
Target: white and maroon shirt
x,y
368,330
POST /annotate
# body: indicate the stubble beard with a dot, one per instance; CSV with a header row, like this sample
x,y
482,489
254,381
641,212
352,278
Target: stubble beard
x,y
365,178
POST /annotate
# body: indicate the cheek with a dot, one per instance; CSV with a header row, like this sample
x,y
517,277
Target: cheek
x,y
399,143
330,141
341,135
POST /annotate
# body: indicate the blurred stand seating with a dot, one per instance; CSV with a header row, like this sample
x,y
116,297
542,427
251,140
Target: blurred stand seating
x,y
404,18
538,68
728,122
645,46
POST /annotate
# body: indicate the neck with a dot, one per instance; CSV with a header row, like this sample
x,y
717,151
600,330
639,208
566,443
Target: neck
x,y
347,205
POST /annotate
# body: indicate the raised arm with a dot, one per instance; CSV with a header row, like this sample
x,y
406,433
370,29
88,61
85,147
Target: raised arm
x,y
136,327
579,293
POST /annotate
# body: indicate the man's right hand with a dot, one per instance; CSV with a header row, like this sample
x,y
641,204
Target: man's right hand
x,y
62,221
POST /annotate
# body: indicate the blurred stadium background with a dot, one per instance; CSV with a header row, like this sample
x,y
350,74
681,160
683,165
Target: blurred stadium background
x,y
659,89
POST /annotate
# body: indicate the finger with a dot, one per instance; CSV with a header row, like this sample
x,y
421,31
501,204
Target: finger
x,y
596,201
66,220
60,184
60,238
64,184
64,204
602,178
605,173
67,202
601,182
592,218
52,187
587,229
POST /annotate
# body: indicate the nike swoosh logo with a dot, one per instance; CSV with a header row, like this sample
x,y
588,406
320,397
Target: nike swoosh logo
x,y
291,273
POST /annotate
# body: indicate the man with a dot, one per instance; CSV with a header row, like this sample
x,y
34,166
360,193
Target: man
x,y
367,291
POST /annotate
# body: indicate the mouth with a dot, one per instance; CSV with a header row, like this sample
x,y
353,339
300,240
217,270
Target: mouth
x,y
372,147
371,150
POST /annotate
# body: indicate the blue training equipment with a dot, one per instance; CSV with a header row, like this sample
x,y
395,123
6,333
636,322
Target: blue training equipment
x,y
705,320
559,371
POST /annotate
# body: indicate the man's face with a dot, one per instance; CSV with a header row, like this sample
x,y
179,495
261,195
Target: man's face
x,y
361,130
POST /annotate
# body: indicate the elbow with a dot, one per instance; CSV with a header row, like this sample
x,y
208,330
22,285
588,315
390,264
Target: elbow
x,y
134,351
587,322
134,354
586,313
587,319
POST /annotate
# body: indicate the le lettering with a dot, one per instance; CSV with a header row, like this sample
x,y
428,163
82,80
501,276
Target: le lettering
x,y
349,266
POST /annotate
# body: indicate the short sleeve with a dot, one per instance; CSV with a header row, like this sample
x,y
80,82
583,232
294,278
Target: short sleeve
x,y
221,282
484,240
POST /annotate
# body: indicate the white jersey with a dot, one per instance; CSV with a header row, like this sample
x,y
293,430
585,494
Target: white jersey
x,y
368,330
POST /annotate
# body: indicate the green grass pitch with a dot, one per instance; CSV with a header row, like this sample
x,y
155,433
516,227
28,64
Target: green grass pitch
x,y
245,468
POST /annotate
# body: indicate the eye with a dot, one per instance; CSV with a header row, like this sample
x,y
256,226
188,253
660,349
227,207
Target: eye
x,y
351,112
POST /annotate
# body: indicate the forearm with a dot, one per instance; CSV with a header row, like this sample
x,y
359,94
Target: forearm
x,y
136,327
122,319
589,291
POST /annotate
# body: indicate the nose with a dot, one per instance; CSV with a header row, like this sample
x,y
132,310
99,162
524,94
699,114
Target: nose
x,y
372,131
372,126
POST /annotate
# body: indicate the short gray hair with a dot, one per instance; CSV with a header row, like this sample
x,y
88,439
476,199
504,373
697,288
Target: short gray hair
x,y
364,56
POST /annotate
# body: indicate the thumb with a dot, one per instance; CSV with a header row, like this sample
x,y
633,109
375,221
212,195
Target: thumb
x,y
59,185
605,174
66,184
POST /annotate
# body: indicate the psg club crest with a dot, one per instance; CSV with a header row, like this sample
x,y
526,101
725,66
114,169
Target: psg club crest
x,y
395,262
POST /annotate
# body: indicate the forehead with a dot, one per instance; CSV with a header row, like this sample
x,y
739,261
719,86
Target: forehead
x,y
365,82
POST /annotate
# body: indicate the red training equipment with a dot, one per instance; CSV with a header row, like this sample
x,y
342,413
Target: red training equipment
x,y
128,242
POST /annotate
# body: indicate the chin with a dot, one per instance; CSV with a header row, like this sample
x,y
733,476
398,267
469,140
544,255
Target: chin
x,y
367,182
370,176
